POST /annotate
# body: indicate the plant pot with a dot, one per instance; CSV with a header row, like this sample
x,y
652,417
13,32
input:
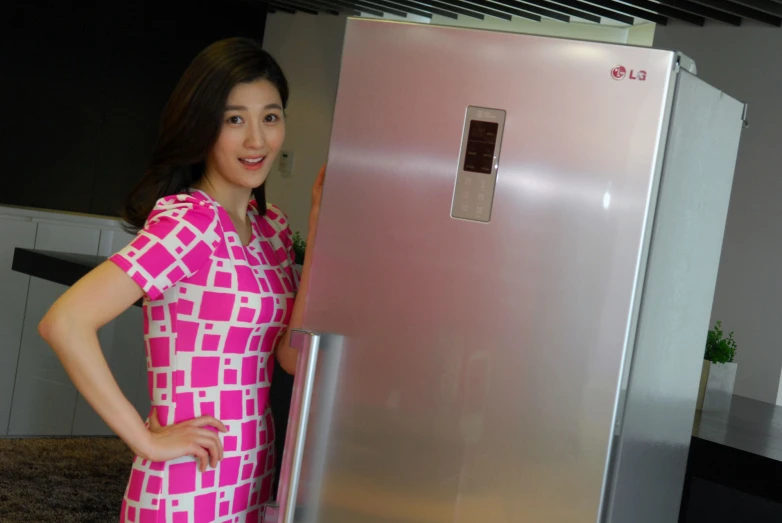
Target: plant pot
x,y
716,388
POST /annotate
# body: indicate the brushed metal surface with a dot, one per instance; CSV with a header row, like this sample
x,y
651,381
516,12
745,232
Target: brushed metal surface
x,y
479,364
284,509
684,254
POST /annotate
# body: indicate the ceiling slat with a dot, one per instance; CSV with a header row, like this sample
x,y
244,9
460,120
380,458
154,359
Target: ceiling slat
x,y
483,10
670,12
537,9
296,6
591,8
767,6
348,10
506,9
450,7
328,7
394,5
565,9
313,4
325,4
373,4
283,9
741,10
433,10
364,8
695,12
702,10
632,11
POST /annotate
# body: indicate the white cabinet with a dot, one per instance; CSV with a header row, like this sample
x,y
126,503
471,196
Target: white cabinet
x,y
14,232
37,397
44,399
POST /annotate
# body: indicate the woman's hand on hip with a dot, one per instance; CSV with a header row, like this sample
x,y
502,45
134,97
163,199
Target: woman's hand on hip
x,y
188,438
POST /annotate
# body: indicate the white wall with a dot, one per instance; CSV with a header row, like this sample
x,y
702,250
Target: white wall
x,y
744,63
641,35
308,49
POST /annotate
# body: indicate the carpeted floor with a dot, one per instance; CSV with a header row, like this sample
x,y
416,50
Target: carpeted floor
x,y
62,480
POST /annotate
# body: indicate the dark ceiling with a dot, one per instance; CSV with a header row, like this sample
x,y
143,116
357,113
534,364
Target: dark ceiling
x,y
696,12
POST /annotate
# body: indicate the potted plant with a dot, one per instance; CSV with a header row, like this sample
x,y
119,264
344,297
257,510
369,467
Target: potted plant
x,y
299,246
718,373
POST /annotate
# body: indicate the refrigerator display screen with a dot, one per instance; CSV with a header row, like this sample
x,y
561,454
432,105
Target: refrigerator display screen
x,y
481,141
479,158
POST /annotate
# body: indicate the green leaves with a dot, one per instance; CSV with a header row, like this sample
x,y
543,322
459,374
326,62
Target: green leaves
x,y
299,246
718,348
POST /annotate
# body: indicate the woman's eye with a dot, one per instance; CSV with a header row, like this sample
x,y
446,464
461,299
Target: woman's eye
x,y
272,118
235,119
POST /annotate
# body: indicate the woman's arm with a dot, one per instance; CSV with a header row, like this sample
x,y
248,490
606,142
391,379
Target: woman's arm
x,y
285,354
71,328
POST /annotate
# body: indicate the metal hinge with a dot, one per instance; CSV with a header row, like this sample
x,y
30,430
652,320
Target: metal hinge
x,y
685,62
744,121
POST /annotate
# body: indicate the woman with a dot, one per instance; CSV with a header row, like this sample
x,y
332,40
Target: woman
x,y
215,266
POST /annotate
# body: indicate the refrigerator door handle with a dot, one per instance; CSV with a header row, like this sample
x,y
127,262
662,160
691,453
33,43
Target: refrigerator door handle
x,y
283,509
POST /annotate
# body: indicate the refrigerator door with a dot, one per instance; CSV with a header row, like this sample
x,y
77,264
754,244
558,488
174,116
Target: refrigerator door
x,y
472,348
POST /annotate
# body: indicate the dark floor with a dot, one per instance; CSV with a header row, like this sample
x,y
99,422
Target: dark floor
x,y
734,474
62,480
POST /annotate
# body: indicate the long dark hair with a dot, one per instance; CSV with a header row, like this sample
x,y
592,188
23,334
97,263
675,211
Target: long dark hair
x,y
192,119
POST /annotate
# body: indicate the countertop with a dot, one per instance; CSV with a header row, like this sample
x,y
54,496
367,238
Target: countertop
x,y
750,425
57,267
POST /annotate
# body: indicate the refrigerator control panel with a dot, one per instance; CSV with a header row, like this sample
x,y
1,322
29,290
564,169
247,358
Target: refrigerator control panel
x,y
476,175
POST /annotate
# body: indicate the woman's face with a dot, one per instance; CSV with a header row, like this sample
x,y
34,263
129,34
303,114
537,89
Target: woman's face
x,y
251,135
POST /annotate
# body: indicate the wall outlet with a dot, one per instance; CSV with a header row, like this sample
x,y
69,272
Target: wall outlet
x,y
286,163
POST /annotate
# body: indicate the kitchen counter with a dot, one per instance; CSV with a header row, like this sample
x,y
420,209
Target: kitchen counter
x,y
750,426
734,471
57,267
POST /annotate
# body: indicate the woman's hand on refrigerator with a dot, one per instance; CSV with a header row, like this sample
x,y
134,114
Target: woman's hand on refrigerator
x,y
317,194
188,438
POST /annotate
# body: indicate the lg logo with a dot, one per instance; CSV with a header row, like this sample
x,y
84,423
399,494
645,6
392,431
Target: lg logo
x,y
620,72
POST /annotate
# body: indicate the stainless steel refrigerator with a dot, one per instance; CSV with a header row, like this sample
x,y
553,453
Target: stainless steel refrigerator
x,y
512,282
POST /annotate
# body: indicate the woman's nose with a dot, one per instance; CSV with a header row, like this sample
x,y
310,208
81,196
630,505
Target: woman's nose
x,y
255,138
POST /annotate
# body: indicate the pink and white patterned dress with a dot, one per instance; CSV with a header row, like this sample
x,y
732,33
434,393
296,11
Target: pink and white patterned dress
x,y
213,312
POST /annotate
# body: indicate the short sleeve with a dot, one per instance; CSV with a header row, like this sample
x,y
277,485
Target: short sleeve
x,y
279,221
179,236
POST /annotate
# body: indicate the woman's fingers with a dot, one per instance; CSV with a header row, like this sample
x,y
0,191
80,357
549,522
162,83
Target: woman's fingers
x,y
197,436
208,421
317,186
202,456
211,443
